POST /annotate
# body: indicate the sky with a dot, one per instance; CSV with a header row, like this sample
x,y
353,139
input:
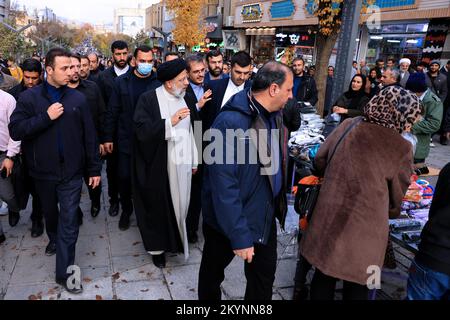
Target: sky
x,y
90,11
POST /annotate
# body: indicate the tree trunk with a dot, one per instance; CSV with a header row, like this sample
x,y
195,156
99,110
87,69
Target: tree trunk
x,y
325,46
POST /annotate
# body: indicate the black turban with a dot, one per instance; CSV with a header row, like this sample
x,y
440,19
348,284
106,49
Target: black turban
x,y
169,70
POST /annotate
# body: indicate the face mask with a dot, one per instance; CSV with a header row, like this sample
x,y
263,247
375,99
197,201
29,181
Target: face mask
x,y
145,68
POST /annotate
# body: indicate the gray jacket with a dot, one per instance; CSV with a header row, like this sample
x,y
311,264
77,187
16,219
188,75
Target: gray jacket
x,y
404,80
439,87
7,82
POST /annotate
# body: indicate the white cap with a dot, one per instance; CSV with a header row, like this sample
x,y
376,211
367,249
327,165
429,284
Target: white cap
x,y
405,60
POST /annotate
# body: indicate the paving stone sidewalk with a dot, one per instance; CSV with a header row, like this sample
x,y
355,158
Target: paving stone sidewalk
x,y
115,265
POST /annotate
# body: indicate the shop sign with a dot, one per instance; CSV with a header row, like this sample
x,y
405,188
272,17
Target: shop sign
x,y
282,10
285,39
252,12
211,27
233,40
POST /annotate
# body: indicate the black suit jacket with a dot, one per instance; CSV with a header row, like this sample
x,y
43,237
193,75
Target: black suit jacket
x,y
212,108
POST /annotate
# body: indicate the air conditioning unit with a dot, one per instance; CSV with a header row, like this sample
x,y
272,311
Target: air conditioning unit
x,y
229,21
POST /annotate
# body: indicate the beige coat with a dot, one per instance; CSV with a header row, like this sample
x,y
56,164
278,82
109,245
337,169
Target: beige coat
x,y
363,186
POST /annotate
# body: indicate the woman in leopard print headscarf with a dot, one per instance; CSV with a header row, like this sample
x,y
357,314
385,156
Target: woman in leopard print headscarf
x,y
363,186
394,107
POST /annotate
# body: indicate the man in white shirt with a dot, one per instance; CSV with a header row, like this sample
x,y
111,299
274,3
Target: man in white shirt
x,y
224,89
8,150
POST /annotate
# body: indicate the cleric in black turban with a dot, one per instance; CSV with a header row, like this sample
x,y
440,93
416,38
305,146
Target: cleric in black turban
x,y
169,70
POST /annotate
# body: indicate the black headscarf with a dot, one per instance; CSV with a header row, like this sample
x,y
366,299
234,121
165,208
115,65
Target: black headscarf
x,y
355,97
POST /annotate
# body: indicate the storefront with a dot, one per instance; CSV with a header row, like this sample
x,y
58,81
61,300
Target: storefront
x,y
295,42
289,19
415,29
405,40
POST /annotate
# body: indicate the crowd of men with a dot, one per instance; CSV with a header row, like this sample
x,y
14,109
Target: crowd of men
x,y
61,121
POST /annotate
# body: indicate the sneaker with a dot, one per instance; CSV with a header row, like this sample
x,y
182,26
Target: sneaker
x,y
432,145
4,209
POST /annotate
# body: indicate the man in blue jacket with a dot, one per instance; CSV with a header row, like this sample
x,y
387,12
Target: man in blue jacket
x,y
243,187
59,143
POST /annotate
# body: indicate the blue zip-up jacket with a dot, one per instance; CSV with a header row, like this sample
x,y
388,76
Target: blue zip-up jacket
x,y
31,124
237,200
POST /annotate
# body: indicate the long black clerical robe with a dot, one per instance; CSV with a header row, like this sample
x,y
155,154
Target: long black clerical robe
x,y
151,188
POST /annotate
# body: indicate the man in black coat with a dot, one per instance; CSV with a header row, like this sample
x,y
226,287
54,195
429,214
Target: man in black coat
x,y
224,89
32,76
119,122
305,89
106,79
197,96
429,274
58,138
97,106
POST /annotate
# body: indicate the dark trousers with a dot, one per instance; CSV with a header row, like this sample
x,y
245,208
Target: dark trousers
x,y
323,288
67,194
195,204
217,255
112,169
36,214
94,194
124,175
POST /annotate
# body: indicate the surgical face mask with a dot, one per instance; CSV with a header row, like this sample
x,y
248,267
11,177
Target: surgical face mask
x,y
145,68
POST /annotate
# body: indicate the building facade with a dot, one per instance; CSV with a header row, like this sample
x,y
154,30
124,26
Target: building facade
x,y
276,28
416,29
129,21
4,9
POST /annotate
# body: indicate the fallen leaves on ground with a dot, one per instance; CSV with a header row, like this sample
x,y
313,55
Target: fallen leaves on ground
x,y
116,276
98,297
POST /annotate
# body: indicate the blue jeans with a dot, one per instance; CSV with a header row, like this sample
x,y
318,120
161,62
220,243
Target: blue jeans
x,y
426,284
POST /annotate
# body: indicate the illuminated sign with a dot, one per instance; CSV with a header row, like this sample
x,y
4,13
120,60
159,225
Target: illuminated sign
x,y
286,39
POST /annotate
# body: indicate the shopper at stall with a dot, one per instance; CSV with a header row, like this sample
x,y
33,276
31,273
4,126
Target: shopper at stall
x,y
305,89
429,274
373,82
349,230
430,122
436,81
351,104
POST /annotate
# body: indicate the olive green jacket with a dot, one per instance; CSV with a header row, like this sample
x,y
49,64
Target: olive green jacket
x,y
428,125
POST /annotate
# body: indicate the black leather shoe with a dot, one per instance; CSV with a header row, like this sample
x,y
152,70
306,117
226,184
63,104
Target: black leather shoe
x,y
2,238
124,222
37,228
50,250
114,209
95,210
192,237
63,283
159,260
80,216
443,140
13,218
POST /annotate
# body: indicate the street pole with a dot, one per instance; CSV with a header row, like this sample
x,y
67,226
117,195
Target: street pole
x,y
346,47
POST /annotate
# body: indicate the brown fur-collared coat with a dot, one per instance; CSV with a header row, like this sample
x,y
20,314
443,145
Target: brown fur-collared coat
x,y
363,187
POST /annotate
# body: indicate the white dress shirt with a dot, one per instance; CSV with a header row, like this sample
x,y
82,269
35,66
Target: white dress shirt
x,y
232,89
7,106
